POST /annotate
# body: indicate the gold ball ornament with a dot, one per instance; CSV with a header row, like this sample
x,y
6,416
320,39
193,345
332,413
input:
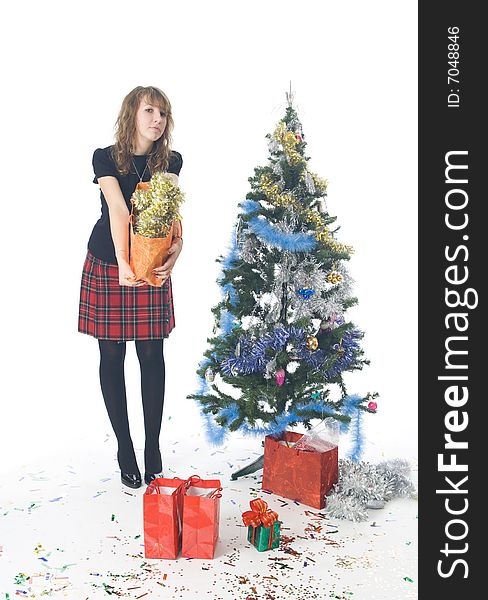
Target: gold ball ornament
x,y
312,343
334,277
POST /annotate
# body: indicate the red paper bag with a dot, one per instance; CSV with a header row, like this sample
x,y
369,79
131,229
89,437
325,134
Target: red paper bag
x,y
162,507
297,474
201,516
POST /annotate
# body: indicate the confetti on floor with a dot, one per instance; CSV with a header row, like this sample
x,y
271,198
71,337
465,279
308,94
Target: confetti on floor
x,y
87,542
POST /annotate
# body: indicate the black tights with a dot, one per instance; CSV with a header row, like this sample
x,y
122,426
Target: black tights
x,y
112,380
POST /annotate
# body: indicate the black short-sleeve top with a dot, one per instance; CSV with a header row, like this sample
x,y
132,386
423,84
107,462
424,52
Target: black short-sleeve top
x,y
100,243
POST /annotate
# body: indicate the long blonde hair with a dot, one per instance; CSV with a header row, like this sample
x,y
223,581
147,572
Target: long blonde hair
x,y
125,130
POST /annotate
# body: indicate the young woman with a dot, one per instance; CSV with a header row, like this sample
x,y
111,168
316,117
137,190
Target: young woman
x,y
115,306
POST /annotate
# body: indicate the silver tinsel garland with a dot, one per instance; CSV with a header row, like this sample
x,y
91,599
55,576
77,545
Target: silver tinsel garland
x,y
362,485
309,183
273,146
307,273
278,170
334,303
248,249
295,126
296,274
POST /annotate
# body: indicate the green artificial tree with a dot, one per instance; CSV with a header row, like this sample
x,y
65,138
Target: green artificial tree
x,y
281,340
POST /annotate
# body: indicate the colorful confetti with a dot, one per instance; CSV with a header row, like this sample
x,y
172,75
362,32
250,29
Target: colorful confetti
x,y
106,556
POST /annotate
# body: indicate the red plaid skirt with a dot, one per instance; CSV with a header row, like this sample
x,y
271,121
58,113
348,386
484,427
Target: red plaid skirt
x,y
110,311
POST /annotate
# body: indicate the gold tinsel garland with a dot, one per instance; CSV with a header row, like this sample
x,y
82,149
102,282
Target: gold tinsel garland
x,y
288,141
286,200
319,184
157,207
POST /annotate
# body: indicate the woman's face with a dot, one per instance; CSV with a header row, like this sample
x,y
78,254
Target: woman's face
x,y
150,122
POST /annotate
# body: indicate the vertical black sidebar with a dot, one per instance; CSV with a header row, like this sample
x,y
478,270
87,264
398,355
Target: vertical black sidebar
x,y
453,332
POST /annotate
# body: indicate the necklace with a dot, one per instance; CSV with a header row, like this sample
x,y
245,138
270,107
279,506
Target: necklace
x,y
138,174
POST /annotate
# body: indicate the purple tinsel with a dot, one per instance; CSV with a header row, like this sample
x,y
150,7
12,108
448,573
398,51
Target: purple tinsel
x,y
254,354
349,347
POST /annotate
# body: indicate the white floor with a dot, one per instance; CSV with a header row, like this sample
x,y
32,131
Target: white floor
x,y
69,529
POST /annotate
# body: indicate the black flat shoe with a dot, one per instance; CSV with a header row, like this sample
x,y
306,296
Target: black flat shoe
x,y
131,480
148,477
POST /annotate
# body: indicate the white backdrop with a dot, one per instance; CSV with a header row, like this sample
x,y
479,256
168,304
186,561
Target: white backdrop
x,y
226,68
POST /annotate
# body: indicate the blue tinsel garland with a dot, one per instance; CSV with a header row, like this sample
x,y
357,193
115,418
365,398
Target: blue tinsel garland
x,y
249,206
357,435
271,235
232,254
350,409
226,318
229,289
226,321
216,434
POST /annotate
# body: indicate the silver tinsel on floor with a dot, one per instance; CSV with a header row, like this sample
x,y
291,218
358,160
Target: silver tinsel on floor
x,y
362,486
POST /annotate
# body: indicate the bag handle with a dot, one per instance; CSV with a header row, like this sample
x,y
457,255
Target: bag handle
x,y
152,487
215,493
193,480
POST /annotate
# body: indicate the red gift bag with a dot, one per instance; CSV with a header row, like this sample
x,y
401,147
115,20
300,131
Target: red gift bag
x,y
162,508
201,516
297,474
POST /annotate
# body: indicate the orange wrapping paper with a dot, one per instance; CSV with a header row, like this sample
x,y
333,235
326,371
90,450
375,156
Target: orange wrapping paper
x,y
162,518
149,253
201,517
296,474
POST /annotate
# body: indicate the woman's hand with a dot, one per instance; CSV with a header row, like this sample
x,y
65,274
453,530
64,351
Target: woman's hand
x,y
165,271
127,277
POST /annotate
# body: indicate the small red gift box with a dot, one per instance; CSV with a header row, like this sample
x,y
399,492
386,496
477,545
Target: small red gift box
x,y
201,516
298,474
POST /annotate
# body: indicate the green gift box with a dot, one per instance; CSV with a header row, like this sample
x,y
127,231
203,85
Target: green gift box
x,y
260,536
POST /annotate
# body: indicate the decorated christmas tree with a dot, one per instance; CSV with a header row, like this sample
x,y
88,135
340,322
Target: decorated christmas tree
x,y
281,340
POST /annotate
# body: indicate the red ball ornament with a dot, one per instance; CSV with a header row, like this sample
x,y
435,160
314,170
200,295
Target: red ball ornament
x,y
372,406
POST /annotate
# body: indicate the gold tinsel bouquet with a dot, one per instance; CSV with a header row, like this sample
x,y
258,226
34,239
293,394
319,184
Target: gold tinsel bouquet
x,y
155,218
